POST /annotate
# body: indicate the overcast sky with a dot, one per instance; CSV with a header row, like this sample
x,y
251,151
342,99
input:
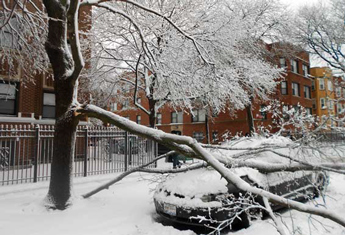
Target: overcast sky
x,y
298,3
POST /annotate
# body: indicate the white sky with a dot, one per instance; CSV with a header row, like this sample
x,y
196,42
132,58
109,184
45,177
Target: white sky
x,y
299,3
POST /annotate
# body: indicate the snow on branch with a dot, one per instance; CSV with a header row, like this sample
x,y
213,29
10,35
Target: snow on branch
x,y
146,170
192,144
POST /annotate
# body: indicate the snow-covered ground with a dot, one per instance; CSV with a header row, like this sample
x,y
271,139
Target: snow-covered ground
x,y
127,208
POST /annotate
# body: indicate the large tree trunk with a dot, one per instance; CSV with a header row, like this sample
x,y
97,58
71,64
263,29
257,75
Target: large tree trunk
x,y
152,115
66,71
250,119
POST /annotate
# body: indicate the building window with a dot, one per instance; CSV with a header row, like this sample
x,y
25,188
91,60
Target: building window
x,y
313,85
322,103
159,118
176,117
308,111
330,104
138,119
282,62
48,105
284,88
305,70
314,104
294,66
8,98
199,136
295,89
307,94
214,136
125,104
113,106
339,108
321,84
263,112
338,91
344,92
330,85
199,115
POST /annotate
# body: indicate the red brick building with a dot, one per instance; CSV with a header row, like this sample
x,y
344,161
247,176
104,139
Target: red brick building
x,y
293,90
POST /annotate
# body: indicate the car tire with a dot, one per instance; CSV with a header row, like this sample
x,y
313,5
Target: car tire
x,y
242,222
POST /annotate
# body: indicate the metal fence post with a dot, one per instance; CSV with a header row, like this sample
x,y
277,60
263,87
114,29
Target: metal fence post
x,y
37,151
86,143
126,150
155,152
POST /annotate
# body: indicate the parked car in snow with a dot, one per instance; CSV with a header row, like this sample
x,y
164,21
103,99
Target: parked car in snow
x,y
202,196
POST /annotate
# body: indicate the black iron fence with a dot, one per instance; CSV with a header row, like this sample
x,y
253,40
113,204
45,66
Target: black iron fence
x,y
26,152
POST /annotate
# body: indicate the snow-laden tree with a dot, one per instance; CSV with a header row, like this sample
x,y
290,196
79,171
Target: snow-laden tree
x,y
184,55
67,63
320,27
21,33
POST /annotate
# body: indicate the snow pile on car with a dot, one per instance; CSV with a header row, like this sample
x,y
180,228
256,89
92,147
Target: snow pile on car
x,y
187,188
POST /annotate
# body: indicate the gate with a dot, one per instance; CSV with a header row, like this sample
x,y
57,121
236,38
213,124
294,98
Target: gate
x,y
26,152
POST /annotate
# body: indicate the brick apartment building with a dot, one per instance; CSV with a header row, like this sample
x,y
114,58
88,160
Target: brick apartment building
x,y
328,95
293,90
30,102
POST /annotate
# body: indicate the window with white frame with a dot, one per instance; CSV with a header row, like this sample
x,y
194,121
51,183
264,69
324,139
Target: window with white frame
x,y
113,106
284,88
199,115
295,89
338,91
282,62
294,66
330,104
138,119
321,84
307,93
308,111
305,70
125,104
8,94
322,103
199,136
176,117
48,105
159,118
330,85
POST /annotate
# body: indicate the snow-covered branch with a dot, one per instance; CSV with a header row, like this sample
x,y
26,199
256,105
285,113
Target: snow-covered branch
x,y
231,177
146,170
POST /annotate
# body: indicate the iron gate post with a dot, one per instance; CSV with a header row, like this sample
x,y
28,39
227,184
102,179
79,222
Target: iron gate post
x,y
37,150
86,143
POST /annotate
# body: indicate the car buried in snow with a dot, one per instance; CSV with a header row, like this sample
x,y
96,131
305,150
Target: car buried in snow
x,y
202,197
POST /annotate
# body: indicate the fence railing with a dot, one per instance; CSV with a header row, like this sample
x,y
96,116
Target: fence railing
x,y
26,152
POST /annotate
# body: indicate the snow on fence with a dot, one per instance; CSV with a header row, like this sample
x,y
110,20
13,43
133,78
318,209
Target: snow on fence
x,y
26,152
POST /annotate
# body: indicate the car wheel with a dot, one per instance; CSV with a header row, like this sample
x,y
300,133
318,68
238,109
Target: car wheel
x,y
242,222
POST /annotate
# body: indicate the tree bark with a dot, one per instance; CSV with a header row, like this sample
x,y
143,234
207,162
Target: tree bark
x,y
152,109
66,70
250,119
